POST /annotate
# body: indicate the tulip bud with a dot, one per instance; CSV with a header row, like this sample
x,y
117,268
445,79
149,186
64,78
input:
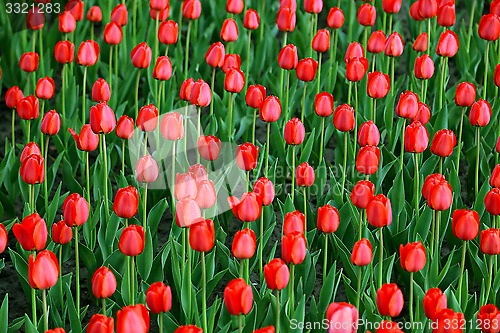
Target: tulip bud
x,y
443,143
492,201
27,108
335,19
113,33
378,85
146,169
191,9
286,19
379,211
29,149
32,169
424,67
323,104
88,53
328,219
132,240
31,233
376,42
94,14
87,140
448,44
246,156
413,256
356,69
465,224
51,123
67,22
238,297
362,253
29,62
168,32
103,283
255,96
489,27
35,19
446,15
480,113
61,233
416,138
367,14
244,244
394,45
234,81
421,42
490,241
159,298
304,176
43,271
64,52
264,188
215,55
147,119
354,50
102,118
294,221
448,316
133,316
100,323
231,61
247,209
294,132
288,58
368,160
495,177
205,194
427,8
141,55
276,274
251,20
293,248
201,95
414,11
270,111
126,202
321,41
75,210
186,212
343,118
209,147
119,14
362,193
389,300
185,186
434,301
229,31
172,126
343,314
465,94
391,6
101,91
407,105
369,134
13,96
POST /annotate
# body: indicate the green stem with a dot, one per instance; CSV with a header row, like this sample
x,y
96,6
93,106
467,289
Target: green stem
x,y
40,45
402,144
242,268
132,278
33,301
230,127
240,323
204,299
277,310
253,127
103,303
322,140
138,79
87,174
429,36
160,318
248,58
199,131
84,88
477,163
462,268
61,280
183,262
437,238
123,156
303,102
325,259
381,258
189,276
134,23
305,204
490,278
373,62
287,94
486,65
145,205
441,90
267,149
319,72
349,93
45,170
105,176
333,56
411,299
63,87
433,230
360,224
77,282
129,273
173,175
110,74
212,90
159,113
393,88
417,186
45,313
14,128
355,143
186,56
293,172
471,23
358,293
344,166
261,242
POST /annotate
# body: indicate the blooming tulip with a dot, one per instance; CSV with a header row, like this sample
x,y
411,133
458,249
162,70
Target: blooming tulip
x,y
146,169
264,188
389,300
343,118
61,233
413,256
328,219
102,118
443,143
159,298
368,160
100,323
246,156
87,140
238,297
251,20
293,248
276,274
43,271
103,283
247,209
407,106
132,240
362,193
27,108
434,301
379,211
31,233
244,244
394,45
88,53
32,169
133,317
101,91
465,224
335,19
362,253
488,319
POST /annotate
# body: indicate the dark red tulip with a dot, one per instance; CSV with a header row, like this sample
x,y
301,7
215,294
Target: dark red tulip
x,y
102,118
465,94
335,19
416,138
414,11
288,58
88,53
362,253
244,244
146,169
366,15
391,6
64,52
492,201
201,95
480,113
490,241
394,46
264,188
61,233
443,143
101,91
489,27
67,22
286,19
362,193
94,14
448,44
356,69
35,19
247,209
231,61
159,298
407,105
343,118
304,176
76,8
43,271
147,118
421,42
119,14
246,156
141,55
229,31
413,256
434,301
376,42
255,96
31,233
251,20
13,96
238,297
495,177
294,221
51,123
378,85
186,212
209,147
389,300
343,314
27,108
202,235
215,55
321,41
276,274
168,32
132,240
369,134
488,319
368,160
32,169
379,211
87,140
294,132
75,210
446,15
448,316
103,283
328,219
172,126
424,67
113,33
126,202
191,9
270,111
29,62
465,224
133,318
100,323
427,8
354,50
293,248
234,81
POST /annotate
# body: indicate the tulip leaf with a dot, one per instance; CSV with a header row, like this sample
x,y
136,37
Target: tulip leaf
x,y
54,205
396,195
28,325
74,319
4,314
327,290
305,152
298,315
155,215
145,259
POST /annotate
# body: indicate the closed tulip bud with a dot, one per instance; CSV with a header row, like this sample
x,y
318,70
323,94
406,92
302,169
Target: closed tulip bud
x,y
133,318
251,20
430,182
490,241
172,126
328,219
376,42
276,274
465,224
270,111
323,104
379,211
448,44
489,27
101,91
495,7
443,143
162,15
87,140
119,14
94,14
286,19
407,105
389,300
439,194
88,53
492,201
209,147
416,138
264,188
158,4
423,114
304,176
234,6
234,81
465,94
391,6
61,233
13,96
205,194
367,14
185,186
369,134
32,169
246,156
496,76
343,315
102,118
31,233
362,253
255,96
335,19
368,160
427,8
43,271
421,42
126,202
199,172
238,297
215,55
229,30
354,50
103,283
446,16
141,56
67,22
448,316
191,9
378,85
321,41
414,11
394,46
29,149
247,209
132,240
58,330
27,108
76,8
288,58
146,169
294,132
362,193
186,212
35,19
434,301
313,6
159,298
294,248
231,61
189,329
488,319
424,67
75,210
356,69
480,113
244,244
113,33
201,95
343,118
51,123
29,62
294,221
100,323
147,119
64,52
495,177
413,256
168,32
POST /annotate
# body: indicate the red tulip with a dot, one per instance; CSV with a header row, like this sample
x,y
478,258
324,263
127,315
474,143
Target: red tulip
x,y
434,302
356,69
199,172
209,147
343,118
27,108
159,298
191,9
32,169
416,138
29,149
119,14
13,96
495,177
103,283
158,4
45,88
43,271
244,244
201,95
342,315
294,221
76,8
335,19
449,316
162,15
362,253
367,14
492,201
480,113
234,81
231,61
238,297
185,186
147,119
168,32
87,140
489,27
488,319
133,318
189,329
56,330
126,202
88,53
35,19
427,8
251,20
421,42
264,188
321,41
294,132
369,134
389,300
378,85
255,96
141,56
286,19
414,11
229,31
246,156
94,14
407,105
424,67
276,274
215,55
288,58
67,22
496,76
443,143
495,7
293,248
362,193
186,212
64,52
205,194
368,160
423,114
51,123
389,326
490,241
313,6
113,33
354,50
328,219
31,233
132,240
146,169
465,224
413,256
61,233
323,104
376,42
391,6
270,111
438,193
448,44
100,323
247,209
379,211
465,94
394,45
304,176
446,16
102,118
101,91
75,210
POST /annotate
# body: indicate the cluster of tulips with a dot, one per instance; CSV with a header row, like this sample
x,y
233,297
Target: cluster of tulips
x,y
131,279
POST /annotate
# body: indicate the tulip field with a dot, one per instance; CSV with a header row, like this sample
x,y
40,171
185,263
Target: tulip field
x,y
249,166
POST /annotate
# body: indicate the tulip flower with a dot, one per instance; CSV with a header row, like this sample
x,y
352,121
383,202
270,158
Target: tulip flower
x,y
133,316
61,233
424,69
35,19
101,91
229,30
416,138
446,16
246,156
413,258
344,121
421,42
29,62
32,170
480,115
362,193
251,20
244,245
238,298
494,178
378,86
327,222
448,315
168,33
465,96
100,323
255,95
366,15
103,284
323,106
119,14
159,300
126,202
94,14
131,244
376,44
189,329
389,300
393,48
362,253
67,22
206,195
247,209
277,275
185,186
294,135
29,149
343,314
27,109
434,301
369,134
56,330
31,233
209,147
285,20
294,221
492,203
293,251
488,318
443,143
88,54
368,160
